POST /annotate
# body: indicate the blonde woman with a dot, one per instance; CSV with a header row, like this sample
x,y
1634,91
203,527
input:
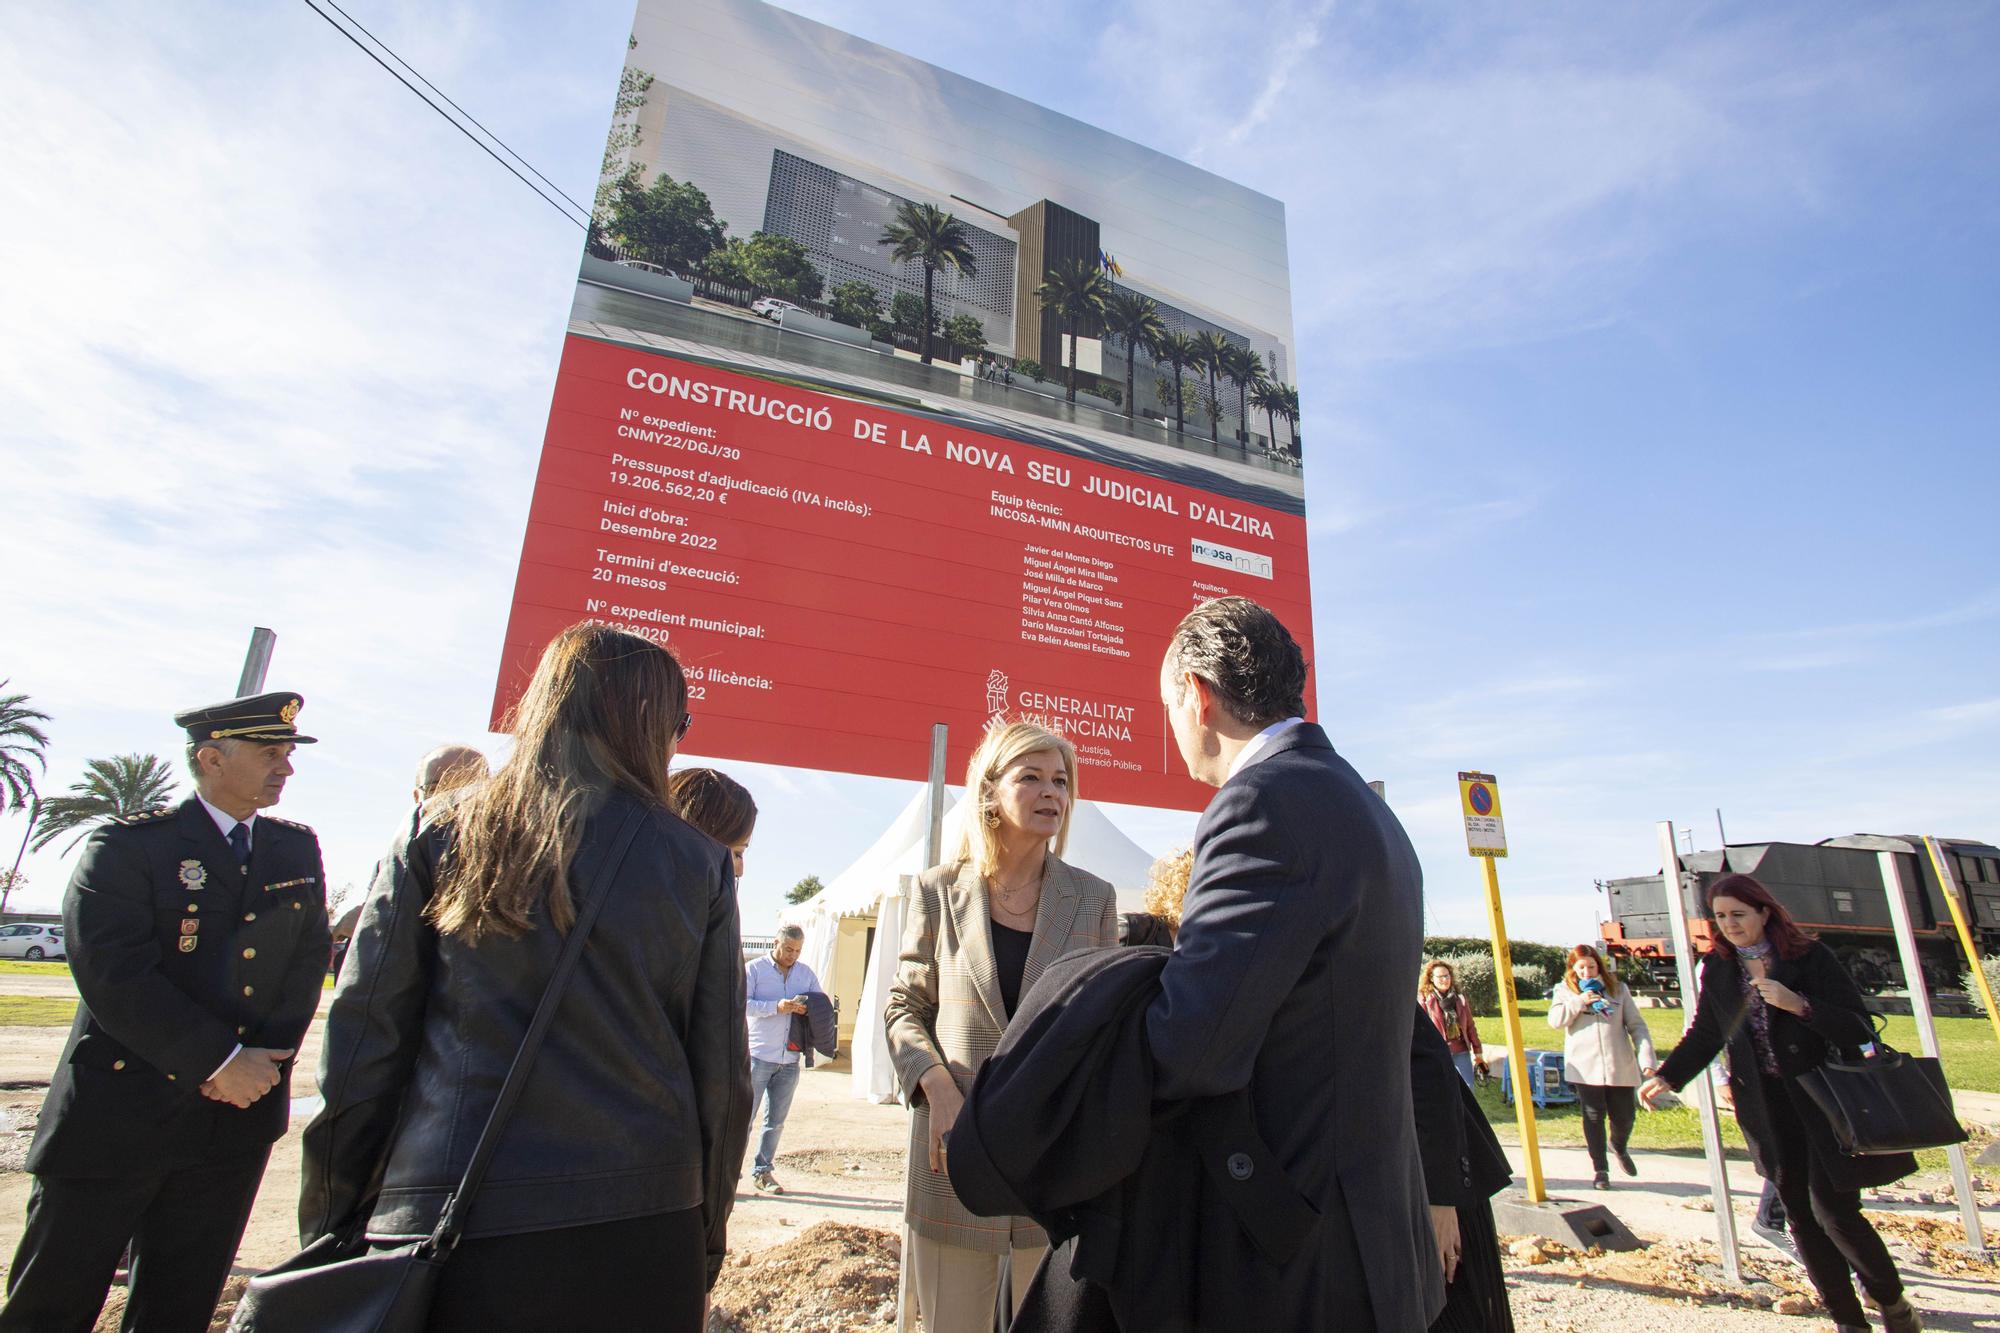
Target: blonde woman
x,y
1166,885
982,927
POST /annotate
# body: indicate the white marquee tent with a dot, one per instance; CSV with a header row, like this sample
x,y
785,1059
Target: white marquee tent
x,y
854,927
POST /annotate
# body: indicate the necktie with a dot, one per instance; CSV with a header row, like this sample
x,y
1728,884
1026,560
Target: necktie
x,y
239,842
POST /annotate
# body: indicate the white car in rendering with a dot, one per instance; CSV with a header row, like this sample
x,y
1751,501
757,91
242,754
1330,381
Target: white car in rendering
x,y
771,308
31,941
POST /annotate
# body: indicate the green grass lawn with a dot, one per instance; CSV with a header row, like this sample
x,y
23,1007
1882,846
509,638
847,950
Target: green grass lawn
x,y
1967,1046
42,969
36,1011
1970,1054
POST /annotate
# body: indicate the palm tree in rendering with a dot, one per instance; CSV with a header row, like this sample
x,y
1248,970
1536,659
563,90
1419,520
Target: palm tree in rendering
x,y
115,788
1076,290
1244,368
1179,351
1213,347
1290,413
1269,398
1135,319
926,234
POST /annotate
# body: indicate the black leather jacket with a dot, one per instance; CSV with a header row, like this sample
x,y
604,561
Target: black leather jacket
x,y
639,1100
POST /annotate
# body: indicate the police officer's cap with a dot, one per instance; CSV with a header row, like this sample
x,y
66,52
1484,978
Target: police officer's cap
x,y
255,717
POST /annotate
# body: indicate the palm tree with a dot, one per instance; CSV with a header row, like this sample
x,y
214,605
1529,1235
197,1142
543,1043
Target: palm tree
x,y
1136,319
1179,351
1269,398
21,742
926,234
1212,347
115,788
1290,412
1077,290
1244,368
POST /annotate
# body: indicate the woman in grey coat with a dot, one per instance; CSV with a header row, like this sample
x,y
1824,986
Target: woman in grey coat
x,y
1606,1052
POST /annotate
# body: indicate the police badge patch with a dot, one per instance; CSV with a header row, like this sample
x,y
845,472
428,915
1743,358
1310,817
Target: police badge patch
x,y
193,874
187,943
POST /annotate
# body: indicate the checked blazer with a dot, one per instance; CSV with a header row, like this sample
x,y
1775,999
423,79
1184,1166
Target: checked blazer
x,y
945,1009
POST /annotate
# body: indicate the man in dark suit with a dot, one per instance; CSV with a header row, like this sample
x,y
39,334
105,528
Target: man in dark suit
x,y
1299,945
198,939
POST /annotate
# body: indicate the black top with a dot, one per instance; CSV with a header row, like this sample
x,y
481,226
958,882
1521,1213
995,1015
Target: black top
x,y
1010,959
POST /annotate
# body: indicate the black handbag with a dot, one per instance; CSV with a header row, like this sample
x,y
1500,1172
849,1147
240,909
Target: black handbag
x,y
341,1284
1888,1102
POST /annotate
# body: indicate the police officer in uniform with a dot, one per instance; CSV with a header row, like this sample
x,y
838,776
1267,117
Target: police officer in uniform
x,y
198,940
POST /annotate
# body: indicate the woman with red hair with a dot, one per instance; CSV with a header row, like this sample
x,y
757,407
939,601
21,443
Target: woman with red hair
x,y
1782,1004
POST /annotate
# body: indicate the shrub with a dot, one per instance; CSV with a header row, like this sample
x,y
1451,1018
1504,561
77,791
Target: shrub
x,y
1030,367
1476,979
1991,967
1550,958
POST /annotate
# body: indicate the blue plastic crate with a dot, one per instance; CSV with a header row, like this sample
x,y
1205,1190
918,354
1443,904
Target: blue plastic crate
x,y
1545,1079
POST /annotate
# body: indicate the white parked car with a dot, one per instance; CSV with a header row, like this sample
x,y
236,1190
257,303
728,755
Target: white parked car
x,y
770,307
27,940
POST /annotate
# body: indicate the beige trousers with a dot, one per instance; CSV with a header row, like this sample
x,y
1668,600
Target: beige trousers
x,y
957,1288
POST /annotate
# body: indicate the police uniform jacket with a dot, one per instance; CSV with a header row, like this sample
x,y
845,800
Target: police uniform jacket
x,y
180,955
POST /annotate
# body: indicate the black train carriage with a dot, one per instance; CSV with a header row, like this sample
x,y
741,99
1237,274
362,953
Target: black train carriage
x,y
1834,889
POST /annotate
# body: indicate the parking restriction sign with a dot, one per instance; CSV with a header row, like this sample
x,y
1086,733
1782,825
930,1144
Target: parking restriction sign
x,y
1485,833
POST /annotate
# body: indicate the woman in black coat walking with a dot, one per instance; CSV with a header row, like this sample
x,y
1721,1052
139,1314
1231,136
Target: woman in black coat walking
x,y
1782,1004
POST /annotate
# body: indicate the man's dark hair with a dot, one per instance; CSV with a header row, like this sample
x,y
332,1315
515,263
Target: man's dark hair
x,y
1246,655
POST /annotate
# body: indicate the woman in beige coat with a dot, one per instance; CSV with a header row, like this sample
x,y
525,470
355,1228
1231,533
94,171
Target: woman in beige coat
x,y
1606,1052
982,928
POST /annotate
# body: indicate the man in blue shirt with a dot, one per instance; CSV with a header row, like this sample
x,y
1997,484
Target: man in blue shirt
x,y
773,985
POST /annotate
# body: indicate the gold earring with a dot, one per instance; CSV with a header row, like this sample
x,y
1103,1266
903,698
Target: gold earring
x,y
992,819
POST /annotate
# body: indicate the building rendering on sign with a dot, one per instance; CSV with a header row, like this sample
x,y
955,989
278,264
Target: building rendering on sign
x,y
758,178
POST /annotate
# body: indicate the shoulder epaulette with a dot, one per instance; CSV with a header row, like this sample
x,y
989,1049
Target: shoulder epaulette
x,y
148,816
285,823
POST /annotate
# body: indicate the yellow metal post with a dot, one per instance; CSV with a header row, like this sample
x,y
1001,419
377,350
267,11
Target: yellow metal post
x,y
1517,1055
1948,884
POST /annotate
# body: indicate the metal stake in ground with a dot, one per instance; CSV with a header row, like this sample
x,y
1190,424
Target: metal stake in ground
x,y
1704,1090
1890,854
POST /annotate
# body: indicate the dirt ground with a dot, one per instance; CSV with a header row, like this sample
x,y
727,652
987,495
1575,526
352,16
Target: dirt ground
x,y
822,1257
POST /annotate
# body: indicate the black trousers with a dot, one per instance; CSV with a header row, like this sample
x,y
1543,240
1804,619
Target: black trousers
x,y
640,1272
183,1227
1600,1101
1826,1221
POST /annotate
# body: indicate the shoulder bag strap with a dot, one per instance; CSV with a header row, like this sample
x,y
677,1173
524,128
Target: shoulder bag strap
x,y
458,1207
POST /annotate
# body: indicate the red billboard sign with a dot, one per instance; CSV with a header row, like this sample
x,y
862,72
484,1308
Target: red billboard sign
x,y
837,574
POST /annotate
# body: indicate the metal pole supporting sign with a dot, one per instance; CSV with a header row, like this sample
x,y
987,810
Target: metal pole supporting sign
x,y
1704,1090
256,662
906,1315
1486,839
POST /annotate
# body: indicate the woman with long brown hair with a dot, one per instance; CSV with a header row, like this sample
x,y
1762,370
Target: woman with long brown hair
x,y
607,1200
1781,1004
1606,1051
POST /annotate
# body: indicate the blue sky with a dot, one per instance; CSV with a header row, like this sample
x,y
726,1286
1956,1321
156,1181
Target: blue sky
x,y
1649,360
